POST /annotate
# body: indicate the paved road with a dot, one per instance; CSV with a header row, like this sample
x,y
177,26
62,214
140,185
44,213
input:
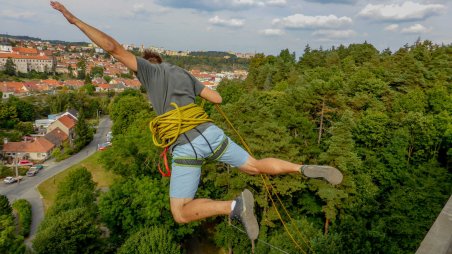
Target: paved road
x,y
27,188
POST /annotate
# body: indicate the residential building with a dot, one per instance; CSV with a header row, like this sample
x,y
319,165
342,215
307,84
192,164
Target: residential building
x,y
56,137
26,63
74,83
13,88
65,123
38,150
6,47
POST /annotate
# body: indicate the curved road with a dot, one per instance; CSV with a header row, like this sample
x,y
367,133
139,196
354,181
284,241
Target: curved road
x,y
27,188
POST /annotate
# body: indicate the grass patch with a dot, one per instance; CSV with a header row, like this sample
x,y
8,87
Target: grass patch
x,y
101,177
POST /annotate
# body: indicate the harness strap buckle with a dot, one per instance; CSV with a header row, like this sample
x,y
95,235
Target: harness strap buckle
x,y
219,151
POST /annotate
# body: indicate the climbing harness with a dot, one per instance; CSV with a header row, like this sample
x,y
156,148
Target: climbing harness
x,y
216,153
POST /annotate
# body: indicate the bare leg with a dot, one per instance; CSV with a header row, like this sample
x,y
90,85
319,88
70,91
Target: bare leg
x,y
186,210
270,166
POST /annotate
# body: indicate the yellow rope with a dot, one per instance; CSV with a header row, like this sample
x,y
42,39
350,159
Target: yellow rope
x,y
267,186
167,127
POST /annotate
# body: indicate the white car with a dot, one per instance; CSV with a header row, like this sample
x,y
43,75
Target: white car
x,y
9,179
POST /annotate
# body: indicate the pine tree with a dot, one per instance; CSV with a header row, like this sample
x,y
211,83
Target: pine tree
x,y
10,67
83,134
5,206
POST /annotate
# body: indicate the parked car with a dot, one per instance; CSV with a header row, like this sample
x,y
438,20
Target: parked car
x,y
9,179
32,171
25,163
37,167
109,136
103,146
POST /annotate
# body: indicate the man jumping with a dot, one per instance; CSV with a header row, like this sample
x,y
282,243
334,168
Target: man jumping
x,y
167,84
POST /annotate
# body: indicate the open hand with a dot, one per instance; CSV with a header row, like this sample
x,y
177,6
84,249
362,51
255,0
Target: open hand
x,y
59,7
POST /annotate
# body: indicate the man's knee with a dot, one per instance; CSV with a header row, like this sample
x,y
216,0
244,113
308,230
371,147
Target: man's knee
x,y
177,216
176,211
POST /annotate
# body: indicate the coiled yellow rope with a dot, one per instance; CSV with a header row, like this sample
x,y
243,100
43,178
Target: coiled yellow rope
x,y
167,127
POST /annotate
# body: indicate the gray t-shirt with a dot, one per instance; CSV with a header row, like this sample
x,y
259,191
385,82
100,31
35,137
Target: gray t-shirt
x,y
166,83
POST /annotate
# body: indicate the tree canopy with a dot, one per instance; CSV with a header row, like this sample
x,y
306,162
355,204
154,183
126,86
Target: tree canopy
x,y
384,119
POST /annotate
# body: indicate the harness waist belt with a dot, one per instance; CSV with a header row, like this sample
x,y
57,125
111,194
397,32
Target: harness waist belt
x,y
198,162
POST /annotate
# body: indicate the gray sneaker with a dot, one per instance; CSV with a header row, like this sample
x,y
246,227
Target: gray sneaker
x,y
244,212
332,175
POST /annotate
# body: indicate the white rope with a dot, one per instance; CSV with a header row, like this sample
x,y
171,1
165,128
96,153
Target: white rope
x,y
271,246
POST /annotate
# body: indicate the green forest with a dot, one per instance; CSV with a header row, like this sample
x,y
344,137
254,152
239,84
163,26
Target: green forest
x,y
383,118
209,61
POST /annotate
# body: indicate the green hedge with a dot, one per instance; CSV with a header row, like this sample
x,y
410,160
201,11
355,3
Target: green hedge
x,y
11,171
23,209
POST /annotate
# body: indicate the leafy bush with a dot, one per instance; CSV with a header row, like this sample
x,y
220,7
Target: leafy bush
x,y
10,242
76,190
5,206
70,225
5,171
150,240
72,231
23,209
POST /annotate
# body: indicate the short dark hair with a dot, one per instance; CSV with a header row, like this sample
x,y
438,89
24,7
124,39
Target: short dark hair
x,y
152,57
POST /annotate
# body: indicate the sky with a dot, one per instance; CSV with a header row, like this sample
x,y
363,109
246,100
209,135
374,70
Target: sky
x,y
254,26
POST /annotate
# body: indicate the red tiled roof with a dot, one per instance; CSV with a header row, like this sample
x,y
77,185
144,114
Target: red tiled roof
x,y
132,83
98,81
51,82
40,145
104,86
16,87
57,136
67,121
34,86
74,82
59,133
25,50
17,56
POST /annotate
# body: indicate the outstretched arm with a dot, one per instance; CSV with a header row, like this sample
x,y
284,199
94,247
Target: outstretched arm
x,y
99,38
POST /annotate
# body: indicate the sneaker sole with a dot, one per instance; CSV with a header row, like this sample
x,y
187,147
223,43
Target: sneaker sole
x,y
332,175
249,220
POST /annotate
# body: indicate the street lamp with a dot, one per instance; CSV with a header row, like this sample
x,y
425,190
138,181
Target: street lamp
x,y
17,164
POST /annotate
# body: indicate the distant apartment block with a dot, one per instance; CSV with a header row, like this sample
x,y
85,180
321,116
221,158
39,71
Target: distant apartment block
x,y
27,59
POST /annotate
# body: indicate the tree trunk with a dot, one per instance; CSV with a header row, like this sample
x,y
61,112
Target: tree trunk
x,y
327,224
321,121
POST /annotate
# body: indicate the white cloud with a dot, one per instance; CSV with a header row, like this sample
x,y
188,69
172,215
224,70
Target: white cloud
x,y
246,3
392,27
212,5
276,3
333,1
17,14
226,22
271,32
140,10
406,11
299,21
335,34
415,29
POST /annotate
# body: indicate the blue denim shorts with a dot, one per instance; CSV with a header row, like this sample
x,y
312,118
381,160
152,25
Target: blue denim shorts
x,y
184,178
